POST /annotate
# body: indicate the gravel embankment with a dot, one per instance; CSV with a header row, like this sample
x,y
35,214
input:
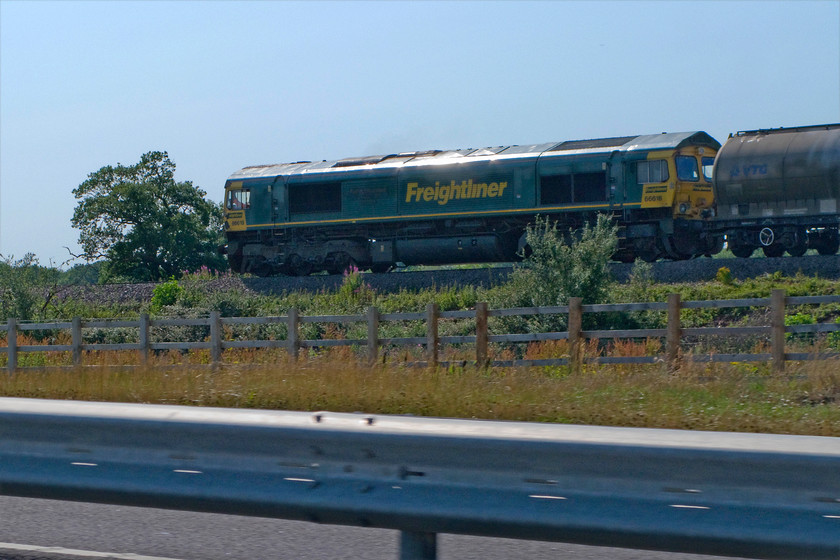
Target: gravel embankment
x,y
696,270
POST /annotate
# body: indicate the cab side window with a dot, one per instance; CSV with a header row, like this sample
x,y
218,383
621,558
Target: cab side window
x,y
653,171
239,200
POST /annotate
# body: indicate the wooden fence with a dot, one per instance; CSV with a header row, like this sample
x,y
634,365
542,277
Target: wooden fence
x,y
673,334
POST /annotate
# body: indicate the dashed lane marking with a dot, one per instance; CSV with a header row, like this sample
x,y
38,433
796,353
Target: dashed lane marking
x,y
57,550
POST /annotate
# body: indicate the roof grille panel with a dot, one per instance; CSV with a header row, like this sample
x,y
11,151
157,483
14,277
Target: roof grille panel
x,y
596,143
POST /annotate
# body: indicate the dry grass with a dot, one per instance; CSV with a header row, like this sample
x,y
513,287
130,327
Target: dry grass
x,y
728,397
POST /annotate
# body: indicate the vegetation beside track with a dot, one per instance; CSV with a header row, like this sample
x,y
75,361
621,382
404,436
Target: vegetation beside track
x,y
729,396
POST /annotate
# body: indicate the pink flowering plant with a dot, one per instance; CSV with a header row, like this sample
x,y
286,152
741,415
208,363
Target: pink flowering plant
x,y
354,292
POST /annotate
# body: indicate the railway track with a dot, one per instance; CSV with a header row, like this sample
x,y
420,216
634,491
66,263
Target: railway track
x,y
695,270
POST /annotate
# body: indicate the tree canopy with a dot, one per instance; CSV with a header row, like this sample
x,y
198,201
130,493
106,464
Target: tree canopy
x,y
144,224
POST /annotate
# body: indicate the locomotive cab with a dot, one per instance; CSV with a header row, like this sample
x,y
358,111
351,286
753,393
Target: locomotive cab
x,y
694,198
252,208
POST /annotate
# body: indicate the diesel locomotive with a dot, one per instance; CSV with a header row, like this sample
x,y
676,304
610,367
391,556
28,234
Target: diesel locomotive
x,y
778,190
471,205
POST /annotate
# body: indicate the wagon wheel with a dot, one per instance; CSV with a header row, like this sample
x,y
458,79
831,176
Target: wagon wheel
x,y
766,237
774,250
797,250
742,251
829,246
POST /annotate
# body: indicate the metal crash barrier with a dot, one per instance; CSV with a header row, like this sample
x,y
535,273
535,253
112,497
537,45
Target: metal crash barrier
x,y
749,495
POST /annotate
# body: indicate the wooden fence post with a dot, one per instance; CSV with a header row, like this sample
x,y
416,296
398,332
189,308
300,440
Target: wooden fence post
x,y
293,333
215,337
373,334
432,341
575,339
76,337
143,338
777,327
673,332
481,334
11,350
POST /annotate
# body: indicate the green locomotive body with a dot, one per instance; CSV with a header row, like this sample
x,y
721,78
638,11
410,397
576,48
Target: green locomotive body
x,y
439,207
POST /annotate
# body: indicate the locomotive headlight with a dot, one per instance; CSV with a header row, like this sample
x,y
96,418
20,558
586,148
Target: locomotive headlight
x,y
683,208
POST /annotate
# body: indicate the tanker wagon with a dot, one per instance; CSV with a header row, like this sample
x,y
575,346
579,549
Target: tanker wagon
x,y
471,205
779,190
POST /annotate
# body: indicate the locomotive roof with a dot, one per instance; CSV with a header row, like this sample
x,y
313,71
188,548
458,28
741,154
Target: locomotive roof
x,y
648,142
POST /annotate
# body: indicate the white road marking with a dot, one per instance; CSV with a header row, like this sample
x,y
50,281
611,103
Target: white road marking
x,y
79,553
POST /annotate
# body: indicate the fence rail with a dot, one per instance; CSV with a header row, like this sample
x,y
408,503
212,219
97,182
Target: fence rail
x,y
745,495
673,333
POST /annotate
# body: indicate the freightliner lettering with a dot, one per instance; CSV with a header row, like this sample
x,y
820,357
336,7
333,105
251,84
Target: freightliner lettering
x,y
442,194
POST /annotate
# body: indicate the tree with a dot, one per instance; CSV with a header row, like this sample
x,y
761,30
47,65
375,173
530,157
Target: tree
x,y
26,287
144,224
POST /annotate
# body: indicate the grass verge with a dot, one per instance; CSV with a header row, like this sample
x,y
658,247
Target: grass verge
x,y
721,397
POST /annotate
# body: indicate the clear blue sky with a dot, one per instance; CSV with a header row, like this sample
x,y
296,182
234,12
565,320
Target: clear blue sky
x,y
222,85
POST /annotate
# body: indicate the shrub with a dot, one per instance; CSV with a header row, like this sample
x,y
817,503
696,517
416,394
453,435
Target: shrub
x,y
800,319
561,266
724,276
833,338
165,294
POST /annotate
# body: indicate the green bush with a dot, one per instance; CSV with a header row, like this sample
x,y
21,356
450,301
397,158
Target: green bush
x,y
833,338
560,266
165,294
800,319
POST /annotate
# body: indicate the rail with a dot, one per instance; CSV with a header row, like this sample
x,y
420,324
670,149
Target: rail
x,y
673,333
745,495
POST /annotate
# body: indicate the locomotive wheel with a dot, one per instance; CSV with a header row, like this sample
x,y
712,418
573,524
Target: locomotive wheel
x,y
380,268
236,263
341,263
298,266
627,257
259,267
742,251
774,250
